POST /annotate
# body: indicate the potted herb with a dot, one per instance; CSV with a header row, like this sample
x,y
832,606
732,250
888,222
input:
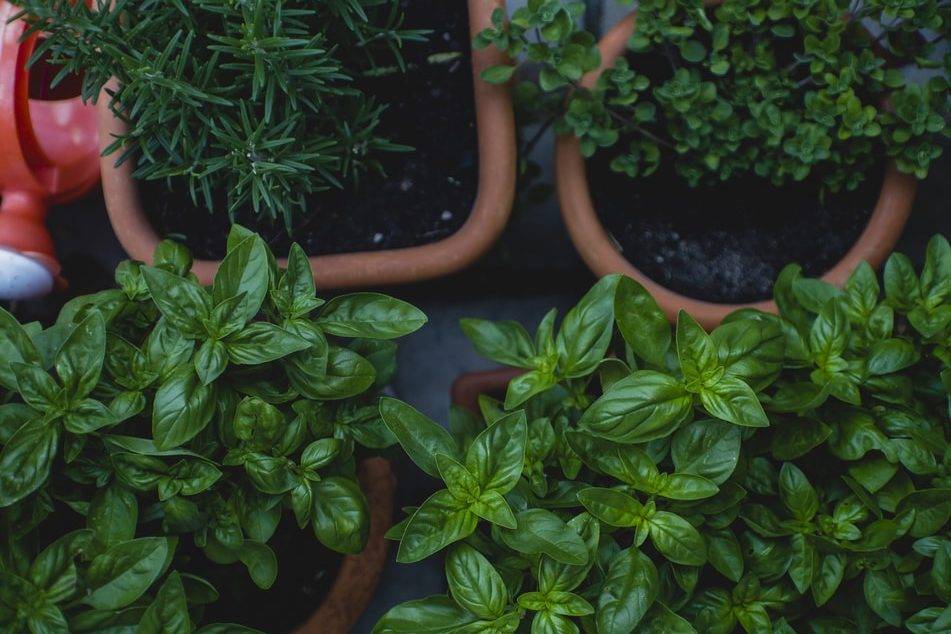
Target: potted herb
x,y
779,473
350,128
165,443
757,134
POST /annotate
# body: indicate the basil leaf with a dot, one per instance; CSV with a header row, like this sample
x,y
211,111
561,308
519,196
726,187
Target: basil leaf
x,y
542,532
642,407
183,407
505,342
420,437
168,613
243,272
439,521
474,583
707,448
437,614
125,571
734,401
79,361
642,323
677,539
497,454
15,347
586,330
261,343
26,459
370,315
341,515
630,588
185,304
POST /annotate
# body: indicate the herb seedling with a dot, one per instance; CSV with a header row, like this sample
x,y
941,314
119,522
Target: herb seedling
x,y
780,473
782,90
163,411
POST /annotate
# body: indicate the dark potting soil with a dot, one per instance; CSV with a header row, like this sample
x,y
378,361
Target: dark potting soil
x,y
305,572
727,243
425,195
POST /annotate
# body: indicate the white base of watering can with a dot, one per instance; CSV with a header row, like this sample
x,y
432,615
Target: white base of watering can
x,y
23,276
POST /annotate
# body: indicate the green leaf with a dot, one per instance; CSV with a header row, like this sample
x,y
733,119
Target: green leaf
x,y
437,614
243,272
26,459
645,406
677,539
474,583
803,562
612,507
185,304
891,355
642,323
168,613
707,448
260,561
504,342
261,343
629,589
439,521
527,385
542,532
420,437
497,74
79,361
182,408
724,553
828,577
697,353
751,349
884,594
341,515
113,514
15,347
497,454
586,330
370,315
125,571
734,401
797,494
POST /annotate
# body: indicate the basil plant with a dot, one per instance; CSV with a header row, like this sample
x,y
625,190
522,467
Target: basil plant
x,y
161,412
780,474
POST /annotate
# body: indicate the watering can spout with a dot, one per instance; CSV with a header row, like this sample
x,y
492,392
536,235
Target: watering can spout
x,y
50,155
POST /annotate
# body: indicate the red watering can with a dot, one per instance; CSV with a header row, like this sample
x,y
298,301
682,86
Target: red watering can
x,y
49,154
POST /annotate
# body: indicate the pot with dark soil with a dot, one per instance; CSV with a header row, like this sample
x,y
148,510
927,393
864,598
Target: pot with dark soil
x,y
701,149
361,133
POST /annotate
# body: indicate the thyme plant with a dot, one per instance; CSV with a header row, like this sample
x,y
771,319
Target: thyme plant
x,y
780,89
257,98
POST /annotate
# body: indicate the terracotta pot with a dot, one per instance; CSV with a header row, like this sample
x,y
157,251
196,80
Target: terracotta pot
x,y
600,252
493,204
467,387
359,574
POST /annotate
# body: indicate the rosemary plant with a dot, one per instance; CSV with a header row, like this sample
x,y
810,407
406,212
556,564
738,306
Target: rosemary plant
x,y
258,98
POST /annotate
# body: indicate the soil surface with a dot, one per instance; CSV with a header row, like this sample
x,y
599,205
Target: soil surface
x,y
727,243
425,195
305,572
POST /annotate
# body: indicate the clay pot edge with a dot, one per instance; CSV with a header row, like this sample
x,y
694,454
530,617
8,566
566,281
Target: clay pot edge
x,y
602,255
490,212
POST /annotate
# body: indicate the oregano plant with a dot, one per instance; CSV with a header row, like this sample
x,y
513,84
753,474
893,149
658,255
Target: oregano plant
x,y
258,99
782,473
782,90
162,412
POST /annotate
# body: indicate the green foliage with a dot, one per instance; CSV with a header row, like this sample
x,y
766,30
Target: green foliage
x,y
783,90
781,473
257,98
162,411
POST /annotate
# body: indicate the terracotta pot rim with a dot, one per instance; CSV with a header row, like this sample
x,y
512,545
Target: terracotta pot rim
x,y
601,253
468,386
495,195
359,575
